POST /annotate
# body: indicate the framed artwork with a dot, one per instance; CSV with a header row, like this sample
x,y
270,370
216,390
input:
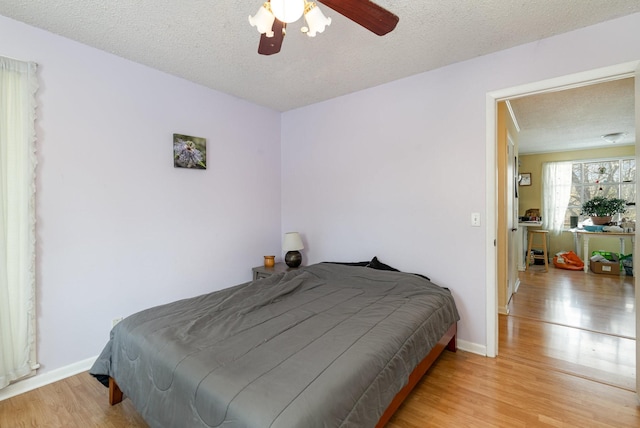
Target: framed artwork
x,y
189,152
525,179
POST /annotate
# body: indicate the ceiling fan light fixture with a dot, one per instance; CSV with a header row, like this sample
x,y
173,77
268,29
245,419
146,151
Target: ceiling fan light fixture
x,y
614,137
316,21
287,11
263,20
274,15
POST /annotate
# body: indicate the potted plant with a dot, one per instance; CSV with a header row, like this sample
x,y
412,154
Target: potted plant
x,y
601,209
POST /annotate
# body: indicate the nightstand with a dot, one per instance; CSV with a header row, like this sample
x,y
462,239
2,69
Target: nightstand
x,y
260,272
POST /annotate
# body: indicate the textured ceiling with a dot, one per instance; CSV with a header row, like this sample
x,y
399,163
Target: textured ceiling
x,y
577,118
211,42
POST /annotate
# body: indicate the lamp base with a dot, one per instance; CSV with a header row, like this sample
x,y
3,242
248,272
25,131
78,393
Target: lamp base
x,y
293,258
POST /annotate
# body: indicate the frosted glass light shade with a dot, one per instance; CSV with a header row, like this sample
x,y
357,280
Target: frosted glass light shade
x,y
292,242
613,137
263,20
287,10
316,21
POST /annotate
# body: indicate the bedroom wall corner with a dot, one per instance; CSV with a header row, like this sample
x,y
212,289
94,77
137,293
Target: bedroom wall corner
x,y
119,229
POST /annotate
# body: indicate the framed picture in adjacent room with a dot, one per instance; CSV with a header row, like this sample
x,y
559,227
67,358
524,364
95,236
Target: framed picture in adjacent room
x,y
525,179
189,152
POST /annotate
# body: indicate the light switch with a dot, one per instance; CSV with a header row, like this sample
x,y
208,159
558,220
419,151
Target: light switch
x,y
475,219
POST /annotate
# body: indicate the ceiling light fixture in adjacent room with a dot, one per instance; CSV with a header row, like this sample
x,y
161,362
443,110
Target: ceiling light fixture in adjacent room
x,y
614,137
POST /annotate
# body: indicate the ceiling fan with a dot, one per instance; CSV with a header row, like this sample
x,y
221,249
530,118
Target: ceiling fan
x,y
272,18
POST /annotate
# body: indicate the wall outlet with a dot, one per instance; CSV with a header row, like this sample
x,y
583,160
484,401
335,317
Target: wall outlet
x,y
115,321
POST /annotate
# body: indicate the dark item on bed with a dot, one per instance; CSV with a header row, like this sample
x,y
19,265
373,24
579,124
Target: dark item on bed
x,y
375,264
325,345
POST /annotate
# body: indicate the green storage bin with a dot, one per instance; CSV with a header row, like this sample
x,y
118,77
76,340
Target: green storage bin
x,y
627,263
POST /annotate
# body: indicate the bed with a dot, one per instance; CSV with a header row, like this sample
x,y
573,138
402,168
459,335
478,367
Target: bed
x,y
328,345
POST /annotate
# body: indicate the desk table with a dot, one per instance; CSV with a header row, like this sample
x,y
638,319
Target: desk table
x,y
585,235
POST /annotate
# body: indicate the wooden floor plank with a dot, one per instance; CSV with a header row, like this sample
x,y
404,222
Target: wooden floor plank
x,y
597,356
465,389
78,401
576,322
602,303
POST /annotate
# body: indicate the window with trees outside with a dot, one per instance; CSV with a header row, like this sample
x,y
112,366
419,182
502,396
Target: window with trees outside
x,y
611,178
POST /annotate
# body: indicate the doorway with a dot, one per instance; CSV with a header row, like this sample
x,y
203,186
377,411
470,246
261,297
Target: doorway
x,y
565,82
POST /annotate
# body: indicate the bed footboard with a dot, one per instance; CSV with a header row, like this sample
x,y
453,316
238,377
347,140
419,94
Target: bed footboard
x,y
447,341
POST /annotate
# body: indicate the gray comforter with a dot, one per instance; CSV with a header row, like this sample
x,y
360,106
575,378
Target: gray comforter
x,y
323,346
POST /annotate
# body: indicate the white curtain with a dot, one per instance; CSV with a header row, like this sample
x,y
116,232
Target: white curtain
x,y
556,192
18,85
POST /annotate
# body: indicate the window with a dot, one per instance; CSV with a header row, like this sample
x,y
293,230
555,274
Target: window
x,y
613,178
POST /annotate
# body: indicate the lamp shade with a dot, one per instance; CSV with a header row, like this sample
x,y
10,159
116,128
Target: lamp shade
x,y
315,19
287,10
292,242
263,20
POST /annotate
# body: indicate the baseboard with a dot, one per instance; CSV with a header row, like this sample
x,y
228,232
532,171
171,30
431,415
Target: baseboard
x,y
38,381
474,348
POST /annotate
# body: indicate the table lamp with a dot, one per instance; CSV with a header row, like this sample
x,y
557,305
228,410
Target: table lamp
x,y
292,244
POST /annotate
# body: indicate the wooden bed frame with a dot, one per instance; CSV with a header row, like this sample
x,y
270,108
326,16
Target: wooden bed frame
x,y
447,341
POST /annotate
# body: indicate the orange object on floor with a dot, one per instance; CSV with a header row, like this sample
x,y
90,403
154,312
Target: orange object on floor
x,y
571,261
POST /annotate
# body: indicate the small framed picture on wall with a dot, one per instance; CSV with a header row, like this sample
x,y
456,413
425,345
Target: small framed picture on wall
x,y
525,179
189,152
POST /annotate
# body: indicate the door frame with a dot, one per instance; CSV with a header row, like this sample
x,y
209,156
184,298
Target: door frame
x,y
512,218
619,71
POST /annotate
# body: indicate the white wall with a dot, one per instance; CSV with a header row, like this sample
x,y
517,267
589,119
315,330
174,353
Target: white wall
x,y
396,171
119,228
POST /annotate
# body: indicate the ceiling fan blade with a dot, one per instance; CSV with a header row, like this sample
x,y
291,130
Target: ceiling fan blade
x,y
272,45
371,16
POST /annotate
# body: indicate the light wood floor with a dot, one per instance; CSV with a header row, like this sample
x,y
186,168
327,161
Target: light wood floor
x,y
582,324
539,379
